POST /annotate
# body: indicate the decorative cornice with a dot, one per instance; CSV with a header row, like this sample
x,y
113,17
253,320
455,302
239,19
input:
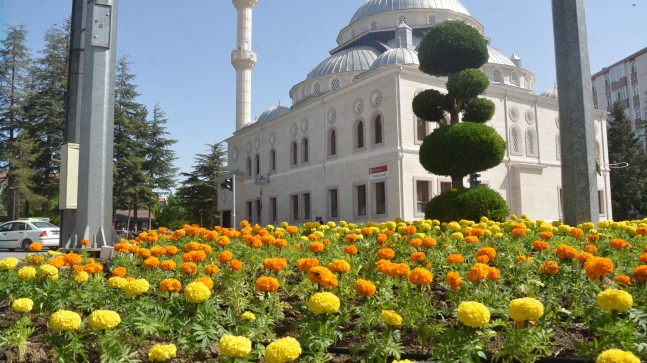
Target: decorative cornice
x,y
241,4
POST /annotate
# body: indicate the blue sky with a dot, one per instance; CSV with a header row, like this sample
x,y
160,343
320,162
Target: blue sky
x,y
180,50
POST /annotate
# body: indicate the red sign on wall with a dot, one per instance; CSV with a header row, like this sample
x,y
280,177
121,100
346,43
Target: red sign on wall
x,y
377,172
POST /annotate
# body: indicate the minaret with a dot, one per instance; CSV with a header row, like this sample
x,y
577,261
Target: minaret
x,y
243,59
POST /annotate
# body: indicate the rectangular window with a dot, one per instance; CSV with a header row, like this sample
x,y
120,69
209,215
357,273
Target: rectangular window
x,y
638,113
606,79
361,199
422,129
617,73
444,186
248,210
380,198
422,195
620,94
273,209
601,201
306,206
609,101
636,89
334,206
295,207
634,69
258,206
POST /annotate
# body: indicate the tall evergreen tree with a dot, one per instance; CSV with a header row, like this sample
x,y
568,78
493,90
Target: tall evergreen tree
x,y
44,111
14,65
628,184
199,190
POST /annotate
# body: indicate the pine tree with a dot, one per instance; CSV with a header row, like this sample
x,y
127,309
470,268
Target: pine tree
x,y
628,184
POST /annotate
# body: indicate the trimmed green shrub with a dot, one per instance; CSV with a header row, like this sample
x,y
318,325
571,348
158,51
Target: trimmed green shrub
x,y
478,110
429,105
470,204
467,84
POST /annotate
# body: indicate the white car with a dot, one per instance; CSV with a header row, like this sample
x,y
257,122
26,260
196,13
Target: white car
x,y
20,234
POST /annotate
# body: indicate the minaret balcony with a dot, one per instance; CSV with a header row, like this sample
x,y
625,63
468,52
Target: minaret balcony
x,y
243,59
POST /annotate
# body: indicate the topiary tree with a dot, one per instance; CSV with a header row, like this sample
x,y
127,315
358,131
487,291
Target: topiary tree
x,y
456,50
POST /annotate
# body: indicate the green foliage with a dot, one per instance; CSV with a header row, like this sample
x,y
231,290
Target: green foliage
x,y
450,47
461,149
429,105
472,204
467,84
478,110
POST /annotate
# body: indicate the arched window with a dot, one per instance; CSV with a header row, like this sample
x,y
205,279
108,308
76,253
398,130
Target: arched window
x,y
304,150
273,160
248,166
294,155
335,84
316,89
531,144
257,163
514,79
332,142
377,127
558,144
515,146
496,76
359,135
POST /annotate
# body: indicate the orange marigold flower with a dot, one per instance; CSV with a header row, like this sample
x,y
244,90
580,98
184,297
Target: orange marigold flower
x,y
275,264
85,242
641,231
223,241
119,271
410,230
478,272
58,261
643,258
189,268
339,266
157,251
313,237
381,238
205,248
194,256
168,265
591,249
518,232
191,246
619,243
306,264
35,246
292,229
482,259
385,253
471,239
121,247
429,242
622,280
316,247
593,238
577,232
72,259
455,258
211,269
487,251
583,256
170,285
598,267
420,276
540,245
93,268
523,258
151,262
279,242
350,250
565,252
545,235
236,264
549,268
415,242
206,280
351,238
134,249
322,276
453,279
364,287
640,273
493,273
478,232
417,256
171,250
367,231
144,252
225,256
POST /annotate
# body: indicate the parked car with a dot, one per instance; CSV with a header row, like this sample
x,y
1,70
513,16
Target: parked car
x,y
21,233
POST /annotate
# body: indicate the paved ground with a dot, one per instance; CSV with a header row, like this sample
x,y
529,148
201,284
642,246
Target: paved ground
x,y
17,254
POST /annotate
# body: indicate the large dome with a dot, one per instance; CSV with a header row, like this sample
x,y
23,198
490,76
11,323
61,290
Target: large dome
x,y
373,7
348,60
401,56
272,113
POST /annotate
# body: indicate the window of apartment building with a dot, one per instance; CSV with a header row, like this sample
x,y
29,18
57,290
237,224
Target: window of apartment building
x,y
609,101
620,94
294,154
360,197
422,130
422,194
248,210
258,207
377,130
257,164
248,166
445,186
617,72
305,150
273,210
332,142
306,206
637,112
634,69
359,135
606,79
295,207
273,160
334,203
636,89
380,197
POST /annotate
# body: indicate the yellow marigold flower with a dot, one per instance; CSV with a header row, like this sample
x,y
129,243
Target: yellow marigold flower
x,y
324,303
472,313
616,356
104,319
48,271
248,315
525,308
456,236
162,352
234,346
81,277
390,317
612,299
136,287
8,263
340,266
26,273
65,320
282,350
117,282
22,305
196,292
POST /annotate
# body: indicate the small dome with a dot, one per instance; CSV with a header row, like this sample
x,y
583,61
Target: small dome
x,y
348,60
394,56
373,7
550,93
272,113
496,57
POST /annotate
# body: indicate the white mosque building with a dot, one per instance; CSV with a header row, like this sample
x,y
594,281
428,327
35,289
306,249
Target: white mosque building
x,y
347,147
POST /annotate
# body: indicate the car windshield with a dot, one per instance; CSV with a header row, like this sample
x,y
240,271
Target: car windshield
x,y
44,225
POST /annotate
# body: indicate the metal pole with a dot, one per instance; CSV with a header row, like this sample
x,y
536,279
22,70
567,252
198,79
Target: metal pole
x,y
233,189
13,210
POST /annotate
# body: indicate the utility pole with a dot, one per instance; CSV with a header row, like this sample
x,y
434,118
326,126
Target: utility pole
x,y
579,177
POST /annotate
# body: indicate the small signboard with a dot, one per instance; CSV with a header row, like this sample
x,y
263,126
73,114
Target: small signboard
x,y
377,172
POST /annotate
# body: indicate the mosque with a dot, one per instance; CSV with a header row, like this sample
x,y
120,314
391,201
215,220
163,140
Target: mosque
x,y
347,147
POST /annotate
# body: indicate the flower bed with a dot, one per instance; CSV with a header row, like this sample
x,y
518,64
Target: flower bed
x,y
462,291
